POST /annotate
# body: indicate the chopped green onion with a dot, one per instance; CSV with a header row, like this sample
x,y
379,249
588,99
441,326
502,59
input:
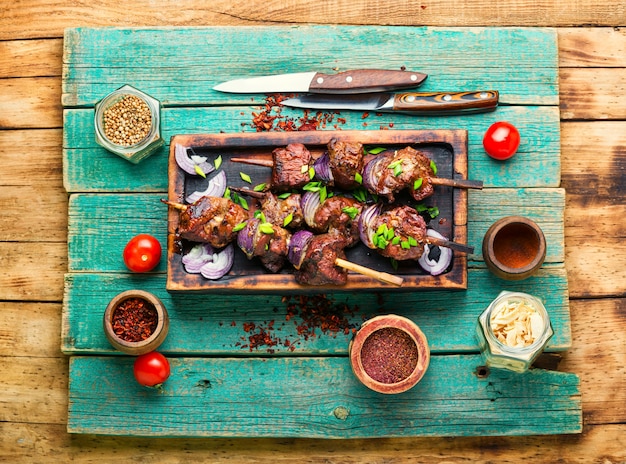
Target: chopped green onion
x,y
259,187
304,168
412,241
227,193
394,263
282,196
375,151
240,226
312,187
360,194
358,178
266,228
311,172
396,240
418,183
382,229
405,245
245,177
323,194
381,243
218,162
199,171
390,234
288,220
433,166
351,211
434,212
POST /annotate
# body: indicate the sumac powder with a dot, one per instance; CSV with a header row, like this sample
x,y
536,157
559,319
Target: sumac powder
x,y
134,319
389,355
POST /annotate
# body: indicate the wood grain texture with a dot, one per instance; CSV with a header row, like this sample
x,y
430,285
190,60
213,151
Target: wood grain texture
x,y
28,103
317,397
33,19
30,58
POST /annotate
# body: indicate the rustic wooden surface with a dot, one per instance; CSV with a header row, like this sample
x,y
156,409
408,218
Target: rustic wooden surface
x,y
33,250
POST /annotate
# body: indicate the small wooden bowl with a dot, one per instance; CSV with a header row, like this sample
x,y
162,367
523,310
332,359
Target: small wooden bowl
x,y
514,248
372,342
144,346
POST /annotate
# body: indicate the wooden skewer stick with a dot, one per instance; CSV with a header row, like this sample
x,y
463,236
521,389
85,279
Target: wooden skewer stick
x,y
173,204
382,276
248,192
458,183
449,244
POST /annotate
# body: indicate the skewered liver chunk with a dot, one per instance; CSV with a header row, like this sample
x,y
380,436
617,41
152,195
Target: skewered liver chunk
x,y
331,216
318,266
291,167
345,162
211,220
406,222
270,248
277,209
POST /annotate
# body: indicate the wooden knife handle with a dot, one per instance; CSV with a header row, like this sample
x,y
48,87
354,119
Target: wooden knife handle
x,y
365,80
446,102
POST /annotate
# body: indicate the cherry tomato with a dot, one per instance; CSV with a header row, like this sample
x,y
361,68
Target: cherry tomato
x,y
142,253
151,369
501,140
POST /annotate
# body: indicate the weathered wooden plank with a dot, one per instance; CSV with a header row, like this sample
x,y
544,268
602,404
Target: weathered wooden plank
x,y
280,397
51,444
30,102
88,167
29,329
96,61
588,95
592,47
31,58
33,19
215,326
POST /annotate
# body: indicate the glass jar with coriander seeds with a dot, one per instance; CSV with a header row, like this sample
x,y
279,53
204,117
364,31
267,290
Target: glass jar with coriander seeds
x,y
128,123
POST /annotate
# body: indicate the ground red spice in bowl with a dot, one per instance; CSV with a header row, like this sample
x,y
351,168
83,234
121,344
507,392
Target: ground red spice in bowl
x,y
389,355
134,319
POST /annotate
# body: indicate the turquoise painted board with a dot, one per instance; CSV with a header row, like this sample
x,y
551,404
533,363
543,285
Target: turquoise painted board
x,y
304,387
317,397
201,325
89,167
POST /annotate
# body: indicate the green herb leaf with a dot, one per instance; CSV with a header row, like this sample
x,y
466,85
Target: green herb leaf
x,y
323,194
199,171
311,172
259,187
434,212
282,196
381,243
227,193
218,162
240,226
358,178
412,241
433,166
396,240
245,177
360,194
351,211
405,245
266,228
312,187
418,183
288,220
376,151
390,233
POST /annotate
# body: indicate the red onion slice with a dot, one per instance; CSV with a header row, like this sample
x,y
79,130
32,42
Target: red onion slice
x,y
245,237
322,169
366,219
297,247
216,188
439,265
197,257
309,202
191,164
221,264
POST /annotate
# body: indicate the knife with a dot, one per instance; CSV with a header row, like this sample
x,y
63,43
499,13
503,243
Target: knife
x,y
347,82
431,103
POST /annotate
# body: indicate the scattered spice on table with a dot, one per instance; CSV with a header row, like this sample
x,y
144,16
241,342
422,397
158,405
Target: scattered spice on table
x,y
134,319
128,121
389,355
272,119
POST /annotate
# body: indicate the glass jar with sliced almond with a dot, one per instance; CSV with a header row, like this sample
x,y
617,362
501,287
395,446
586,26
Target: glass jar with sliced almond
x,y
513,331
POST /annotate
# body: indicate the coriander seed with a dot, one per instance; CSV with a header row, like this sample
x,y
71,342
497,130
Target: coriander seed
x,y
128,121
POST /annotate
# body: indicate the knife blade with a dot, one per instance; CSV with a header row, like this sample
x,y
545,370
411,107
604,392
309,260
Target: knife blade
x,y
347,82
416,103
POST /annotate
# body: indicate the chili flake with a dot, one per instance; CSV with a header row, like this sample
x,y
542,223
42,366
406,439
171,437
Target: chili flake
x,y
389,355
134,320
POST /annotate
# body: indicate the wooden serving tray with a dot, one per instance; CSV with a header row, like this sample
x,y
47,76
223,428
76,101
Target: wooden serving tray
x,y
447,148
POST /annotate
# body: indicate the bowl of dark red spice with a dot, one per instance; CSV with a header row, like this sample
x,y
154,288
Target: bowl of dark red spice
x,y
136,322
389,354
514,248
128,123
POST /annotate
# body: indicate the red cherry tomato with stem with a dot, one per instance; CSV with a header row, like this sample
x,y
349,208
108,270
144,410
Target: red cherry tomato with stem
x,y
142,253
151,369
501,140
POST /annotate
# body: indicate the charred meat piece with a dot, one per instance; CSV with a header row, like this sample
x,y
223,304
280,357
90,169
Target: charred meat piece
x,y
393,171
276,210
410,228
268,242
318,266
339,213
211,220
291,167
345,162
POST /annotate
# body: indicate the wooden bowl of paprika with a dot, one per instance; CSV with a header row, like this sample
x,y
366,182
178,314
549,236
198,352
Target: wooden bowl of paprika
x,y
514,248
389,354
136,322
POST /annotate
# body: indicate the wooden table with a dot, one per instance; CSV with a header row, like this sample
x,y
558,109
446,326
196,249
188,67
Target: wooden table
x,y
34,252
